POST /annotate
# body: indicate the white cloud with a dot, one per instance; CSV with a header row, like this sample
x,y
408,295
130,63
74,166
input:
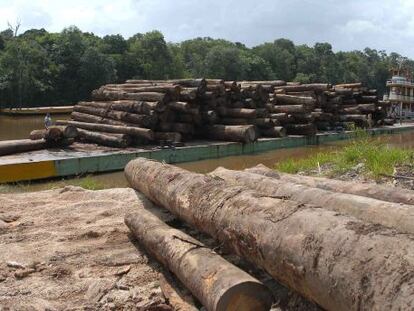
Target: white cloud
x,y
347,25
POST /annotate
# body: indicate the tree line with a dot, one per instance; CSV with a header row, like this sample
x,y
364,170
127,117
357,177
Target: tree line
x,y
39,68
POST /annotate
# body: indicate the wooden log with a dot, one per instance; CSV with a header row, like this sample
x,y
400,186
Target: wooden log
x,y
367,99
188,94
138,119
168,136
235,121
282,99
343,91
348,85
172,90
55,133
116,129
393,215
322,116
359,119
335,260
105,139
280,117
265,122
301,118
301,129
102,94
276,131
316,87
88,118
182,82
370,190
218,284
22,145
237,112
238,133
132,106
291,109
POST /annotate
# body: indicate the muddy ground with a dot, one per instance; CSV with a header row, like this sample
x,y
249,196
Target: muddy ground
x,y
68,249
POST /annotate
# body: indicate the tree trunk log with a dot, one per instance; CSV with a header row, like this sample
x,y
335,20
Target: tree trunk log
x,y
116,129
105,139
393,215
138,119
21,145
237,112
174,296
276,131
335,260
294,100
370,190
55,133
132,106
101,94
218,284
291,109
300,129
238,133
317,87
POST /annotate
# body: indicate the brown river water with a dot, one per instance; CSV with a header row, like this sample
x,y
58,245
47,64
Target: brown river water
x,y
20,127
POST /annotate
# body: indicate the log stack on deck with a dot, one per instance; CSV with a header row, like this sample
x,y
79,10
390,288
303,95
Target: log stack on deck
x,y
148,111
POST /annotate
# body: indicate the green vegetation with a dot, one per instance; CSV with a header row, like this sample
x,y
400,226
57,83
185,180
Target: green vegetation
x,y
88,183
377,158
41,68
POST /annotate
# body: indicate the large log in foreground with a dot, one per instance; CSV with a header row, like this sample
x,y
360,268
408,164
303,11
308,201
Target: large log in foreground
x,y
240,133
393,215
370,190
218,284
129,130
335,260
383,193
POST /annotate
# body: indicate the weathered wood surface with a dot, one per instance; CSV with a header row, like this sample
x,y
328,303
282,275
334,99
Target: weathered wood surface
x,y
394,215
239,133
335,260
117,129
105,139
371,190
218,284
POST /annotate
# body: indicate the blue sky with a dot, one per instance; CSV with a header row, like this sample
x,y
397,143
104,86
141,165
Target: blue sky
x,y
347,25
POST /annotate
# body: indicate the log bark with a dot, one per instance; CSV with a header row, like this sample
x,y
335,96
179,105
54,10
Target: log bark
x,y
282,99
132,106
116,129
291,109
88,118
392,215
237,133
317,87
218,284
348,85
370,190
102,94
335,260
22,145
237,112
182,82
276,131
55,133
105,139
138,119
301,129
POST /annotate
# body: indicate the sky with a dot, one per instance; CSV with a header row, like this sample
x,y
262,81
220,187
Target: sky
x,y
348,25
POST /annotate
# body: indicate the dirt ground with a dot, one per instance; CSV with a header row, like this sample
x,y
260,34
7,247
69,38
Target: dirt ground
x,y
68,249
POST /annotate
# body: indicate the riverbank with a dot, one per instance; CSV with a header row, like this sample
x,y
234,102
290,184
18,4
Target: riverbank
x,y
363,159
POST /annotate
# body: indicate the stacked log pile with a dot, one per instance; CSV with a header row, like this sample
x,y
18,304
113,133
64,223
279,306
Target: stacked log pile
x,y
344,252
145,111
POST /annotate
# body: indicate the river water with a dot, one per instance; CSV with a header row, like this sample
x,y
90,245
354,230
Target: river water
x,y
16,128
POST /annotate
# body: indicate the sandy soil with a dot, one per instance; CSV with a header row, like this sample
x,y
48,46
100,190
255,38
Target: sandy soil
x,y
68,249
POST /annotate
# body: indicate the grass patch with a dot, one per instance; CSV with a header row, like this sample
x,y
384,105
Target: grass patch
x,y
88,183
378,158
